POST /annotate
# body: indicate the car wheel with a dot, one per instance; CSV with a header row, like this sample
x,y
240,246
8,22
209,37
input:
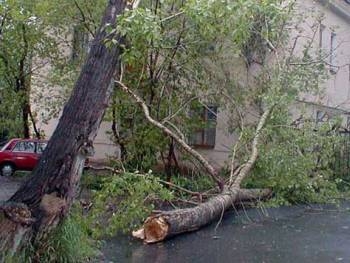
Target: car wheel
x,y
7,169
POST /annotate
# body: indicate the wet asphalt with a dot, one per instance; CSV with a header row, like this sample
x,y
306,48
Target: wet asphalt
x,y
286,234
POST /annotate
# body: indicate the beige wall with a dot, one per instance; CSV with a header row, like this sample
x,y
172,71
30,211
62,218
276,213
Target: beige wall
x,y
335,96
337,88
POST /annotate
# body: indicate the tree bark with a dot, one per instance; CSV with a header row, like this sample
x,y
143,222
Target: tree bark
x,y
44,200
25,120
166,224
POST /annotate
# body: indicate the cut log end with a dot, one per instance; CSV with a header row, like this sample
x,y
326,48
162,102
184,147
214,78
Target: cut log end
x,y
155,229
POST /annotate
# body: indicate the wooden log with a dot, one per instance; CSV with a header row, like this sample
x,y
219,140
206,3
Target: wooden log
x,y
170,223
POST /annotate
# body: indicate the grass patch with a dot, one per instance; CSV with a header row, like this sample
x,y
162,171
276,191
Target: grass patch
x,y
70,242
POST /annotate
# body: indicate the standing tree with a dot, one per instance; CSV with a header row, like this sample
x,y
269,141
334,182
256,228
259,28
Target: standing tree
x,y
44,200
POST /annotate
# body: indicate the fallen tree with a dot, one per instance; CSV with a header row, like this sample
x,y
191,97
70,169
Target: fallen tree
x,y
166,224
170,223
45,199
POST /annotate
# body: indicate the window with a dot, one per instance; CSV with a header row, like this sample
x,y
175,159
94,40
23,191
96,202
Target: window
x,y
332,53
41,147
205,136
321,117
25,147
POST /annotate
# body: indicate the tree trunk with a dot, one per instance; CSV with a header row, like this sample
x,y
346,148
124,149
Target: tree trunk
x,y
32,119
169,168
166,224
25,120
116,136
24,84
44,200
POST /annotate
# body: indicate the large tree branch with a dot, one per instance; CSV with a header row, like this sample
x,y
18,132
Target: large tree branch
x,y
208,167
244,170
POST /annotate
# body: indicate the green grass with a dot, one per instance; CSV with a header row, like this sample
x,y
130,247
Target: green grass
x,y
70,242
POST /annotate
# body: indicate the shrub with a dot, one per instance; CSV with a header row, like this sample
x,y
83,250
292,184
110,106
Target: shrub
x,y
124,202
297,163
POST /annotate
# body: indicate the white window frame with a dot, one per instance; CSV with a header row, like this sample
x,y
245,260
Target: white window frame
x,y
332,53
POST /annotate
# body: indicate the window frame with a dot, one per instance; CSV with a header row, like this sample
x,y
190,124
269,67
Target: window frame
x,y
203,131
332,53
38,146
321,35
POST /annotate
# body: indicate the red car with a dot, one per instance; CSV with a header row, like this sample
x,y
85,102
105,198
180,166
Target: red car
x,y
20,154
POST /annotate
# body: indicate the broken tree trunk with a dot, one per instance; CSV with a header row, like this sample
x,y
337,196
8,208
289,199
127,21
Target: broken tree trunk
x,y
44,200
166,224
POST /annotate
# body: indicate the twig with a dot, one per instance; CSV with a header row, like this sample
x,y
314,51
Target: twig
x,y
172,16
220,220
84,20
101,168
187,201
181,188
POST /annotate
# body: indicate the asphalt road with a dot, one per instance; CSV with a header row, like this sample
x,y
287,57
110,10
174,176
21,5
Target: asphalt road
x,y
286,234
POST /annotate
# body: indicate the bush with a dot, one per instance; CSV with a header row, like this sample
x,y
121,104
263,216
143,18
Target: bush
x,y
297,164
124,202
91,180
